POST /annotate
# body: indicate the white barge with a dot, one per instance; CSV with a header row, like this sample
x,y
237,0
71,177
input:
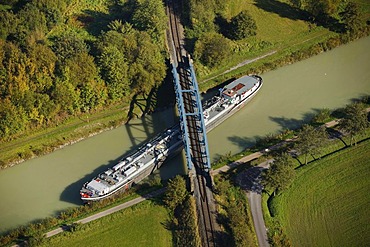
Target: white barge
x,y
151,155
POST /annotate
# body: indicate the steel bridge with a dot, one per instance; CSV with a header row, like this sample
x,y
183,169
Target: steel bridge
x,y
192,125
191,116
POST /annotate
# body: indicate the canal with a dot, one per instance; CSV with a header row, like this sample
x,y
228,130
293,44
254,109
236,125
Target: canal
x,y
44,186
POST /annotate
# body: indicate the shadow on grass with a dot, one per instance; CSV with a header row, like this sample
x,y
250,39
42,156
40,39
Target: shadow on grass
x,y
287,11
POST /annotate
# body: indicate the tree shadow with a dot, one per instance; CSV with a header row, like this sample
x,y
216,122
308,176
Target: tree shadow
x,y
170,225
165,93
141,105
223,26
134,127
249,179
159,98
293,123
97,22
283,9
364,98
287,11
243,142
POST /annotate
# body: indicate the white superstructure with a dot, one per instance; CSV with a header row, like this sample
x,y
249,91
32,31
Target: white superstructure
x,y
231,98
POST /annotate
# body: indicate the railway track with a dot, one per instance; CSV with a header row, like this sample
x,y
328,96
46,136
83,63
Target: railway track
x,y
202,184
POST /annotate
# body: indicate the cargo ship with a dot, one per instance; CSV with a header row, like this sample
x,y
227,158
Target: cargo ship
x,y
139,164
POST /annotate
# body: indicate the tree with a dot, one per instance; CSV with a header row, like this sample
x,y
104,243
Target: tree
x,y
150,16
310,140
36,240
212,49
322,116
242,26
202,16
237,213
147,69
8,24
13,120
176,192
66,96
355,121
187,228
68,45
296,3
31,18
114,72
321,8
280,174
118,26
351,18
44,60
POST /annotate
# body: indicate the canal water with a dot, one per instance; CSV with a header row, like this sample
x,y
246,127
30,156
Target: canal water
x,y
44,186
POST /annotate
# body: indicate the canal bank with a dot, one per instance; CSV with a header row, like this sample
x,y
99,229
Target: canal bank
x,y
44,186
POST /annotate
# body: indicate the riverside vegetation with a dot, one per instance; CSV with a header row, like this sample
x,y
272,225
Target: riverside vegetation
x,y
46,93
87,20
232,201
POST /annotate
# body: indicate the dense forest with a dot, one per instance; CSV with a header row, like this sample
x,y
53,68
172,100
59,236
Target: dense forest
x,y
60,58
50,68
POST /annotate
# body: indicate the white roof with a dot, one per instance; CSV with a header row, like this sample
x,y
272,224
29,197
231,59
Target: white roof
x,y
100,187
239,86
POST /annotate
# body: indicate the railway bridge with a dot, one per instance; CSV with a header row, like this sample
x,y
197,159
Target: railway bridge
x,y
192,126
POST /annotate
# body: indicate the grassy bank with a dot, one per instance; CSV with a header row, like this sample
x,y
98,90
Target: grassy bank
x,y
140,225
327,203
287,38
46,140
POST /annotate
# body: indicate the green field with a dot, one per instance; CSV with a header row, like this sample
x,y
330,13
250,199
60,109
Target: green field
x,y
140,225
288,33
328,203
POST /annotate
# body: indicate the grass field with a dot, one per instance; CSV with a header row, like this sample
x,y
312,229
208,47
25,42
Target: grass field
x,y
288,32
140,225
328,203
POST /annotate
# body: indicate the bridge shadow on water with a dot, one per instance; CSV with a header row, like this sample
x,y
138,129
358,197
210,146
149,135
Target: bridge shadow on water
x,y
160,102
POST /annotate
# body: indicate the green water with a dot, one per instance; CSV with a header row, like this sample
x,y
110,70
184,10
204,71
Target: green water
x,y
41,187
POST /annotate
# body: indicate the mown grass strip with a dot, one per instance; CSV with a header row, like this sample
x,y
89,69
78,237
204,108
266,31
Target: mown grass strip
x,y
327,205
140,225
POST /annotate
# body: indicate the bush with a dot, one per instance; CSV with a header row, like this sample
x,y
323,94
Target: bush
x,y
36,239
322,117
212,49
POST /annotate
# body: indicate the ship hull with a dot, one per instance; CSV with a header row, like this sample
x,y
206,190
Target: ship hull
x,y
174,146
231,110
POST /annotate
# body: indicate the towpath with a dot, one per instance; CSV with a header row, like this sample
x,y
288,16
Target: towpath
x,y
245,62
110,210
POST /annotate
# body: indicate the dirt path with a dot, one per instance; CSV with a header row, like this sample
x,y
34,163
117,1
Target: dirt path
x,y
245,62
